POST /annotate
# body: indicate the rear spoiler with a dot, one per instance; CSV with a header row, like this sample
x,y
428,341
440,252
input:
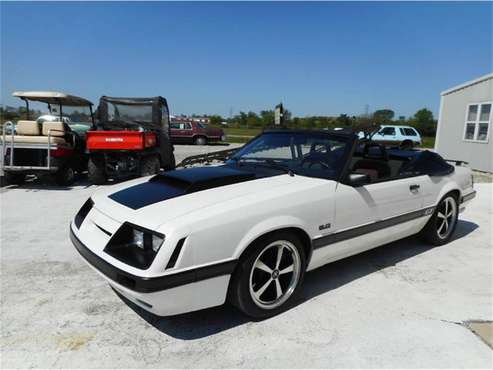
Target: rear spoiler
x,y
457,162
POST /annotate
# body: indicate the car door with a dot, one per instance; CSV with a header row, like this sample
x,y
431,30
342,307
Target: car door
x,y
187,132
181,132
374,214
388,135
175,132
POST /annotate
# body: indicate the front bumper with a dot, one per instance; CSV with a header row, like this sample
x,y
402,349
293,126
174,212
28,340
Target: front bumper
x,y
169,294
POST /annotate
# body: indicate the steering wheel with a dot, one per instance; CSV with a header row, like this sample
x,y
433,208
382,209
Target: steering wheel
x,y
312,161
383,151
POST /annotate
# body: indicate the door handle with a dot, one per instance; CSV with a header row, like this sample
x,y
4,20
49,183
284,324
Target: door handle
x,y
414,187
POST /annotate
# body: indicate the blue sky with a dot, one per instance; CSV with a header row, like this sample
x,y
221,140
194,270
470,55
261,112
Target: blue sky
x,y
318,58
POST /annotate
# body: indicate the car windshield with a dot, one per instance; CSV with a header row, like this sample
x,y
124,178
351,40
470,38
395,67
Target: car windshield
x,y
129,113
314,154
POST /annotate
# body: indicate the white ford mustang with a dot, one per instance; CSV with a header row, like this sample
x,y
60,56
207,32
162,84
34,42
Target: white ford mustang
x,y
286,203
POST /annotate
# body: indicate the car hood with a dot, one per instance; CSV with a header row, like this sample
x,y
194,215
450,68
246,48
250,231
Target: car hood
x,y
152,201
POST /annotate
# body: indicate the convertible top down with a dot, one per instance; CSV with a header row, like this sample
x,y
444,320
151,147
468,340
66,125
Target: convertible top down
x,y
287,202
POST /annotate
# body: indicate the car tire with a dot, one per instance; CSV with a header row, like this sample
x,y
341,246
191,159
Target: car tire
x,y
260,266
441,226
65,176
406,145
96,172
149,166
172,164
200,140
14,178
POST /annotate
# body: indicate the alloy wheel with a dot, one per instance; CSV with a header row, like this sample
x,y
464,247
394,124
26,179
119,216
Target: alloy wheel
x,y
446,217
275,274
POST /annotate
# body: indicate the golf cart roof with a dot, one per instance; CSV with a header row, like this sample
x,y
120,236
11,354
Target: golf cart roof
x,y
52,97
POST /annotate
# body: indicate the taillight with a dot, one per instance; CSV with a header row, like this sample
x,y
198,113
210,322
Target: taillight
x,y
61,152
149,140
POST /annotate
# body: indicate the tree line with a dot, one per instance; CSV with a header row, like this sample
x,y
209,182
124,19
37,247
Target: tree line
x,y
422,120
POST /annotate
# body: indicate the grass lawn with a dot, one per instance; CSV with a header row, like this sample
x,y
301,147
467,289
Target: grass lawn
x,y
236,139
242,131
428,142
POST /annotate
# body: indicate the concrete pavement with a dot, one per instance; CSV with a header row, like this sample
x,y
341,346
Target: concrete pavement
x,y
401,305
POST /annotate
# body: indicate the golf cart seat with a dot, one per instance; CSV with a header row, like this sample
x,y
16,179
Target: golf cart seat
x,y
28,132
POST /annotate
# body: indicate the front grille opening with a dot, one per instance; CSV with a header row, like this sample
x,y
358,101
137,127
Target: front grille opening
x,y
176,254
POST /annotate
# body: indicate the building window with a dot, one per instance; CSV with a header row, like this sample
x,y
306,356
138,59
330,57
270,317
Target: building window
x,y
478,118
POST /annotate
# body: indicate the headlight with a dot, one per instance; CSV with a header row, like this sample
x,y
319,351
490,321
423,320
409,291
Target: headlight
x,y
135,245
145,240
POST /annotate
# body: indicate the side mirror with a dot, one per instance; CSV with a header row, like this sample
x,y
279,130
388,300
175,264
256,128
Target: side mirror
x,y
358,179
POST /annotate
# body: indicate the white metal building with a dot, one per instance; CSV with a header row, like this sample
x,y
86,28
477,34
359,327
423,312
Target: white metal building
x,y
464,123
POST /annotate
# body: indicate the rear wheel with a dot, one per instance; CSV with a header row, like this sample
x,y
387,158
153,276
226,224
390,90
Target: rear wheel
x,y
96,171
406,145
15,178
441,226
149,166
65,176
269,275
200,140
171,163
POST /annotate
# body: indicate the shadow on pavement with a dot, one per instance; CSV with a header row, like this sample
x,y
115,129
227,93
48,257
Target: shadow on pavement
x,y
208,322
46,183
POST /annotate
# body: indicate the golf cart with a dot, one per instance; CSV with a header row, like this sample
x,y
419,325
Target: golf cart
x,y
132,139
52,143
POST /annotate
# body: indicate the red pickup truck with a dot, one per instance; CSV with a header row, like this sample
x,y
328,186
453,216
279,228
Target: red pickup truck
x,y
195,133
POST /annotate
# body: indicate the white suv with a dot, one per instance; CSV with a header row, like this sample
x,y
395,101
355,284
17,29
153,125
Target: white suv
x,y
404,136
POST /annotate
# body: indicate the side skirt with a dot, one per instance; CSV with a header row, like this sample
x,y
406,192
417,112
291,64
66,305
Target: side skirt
x,y
369,228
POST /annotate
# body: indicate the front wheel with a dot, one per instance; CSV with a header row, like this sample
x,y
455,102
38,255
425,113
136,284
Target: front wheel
x,y
269,275
96,171
407,145
441,226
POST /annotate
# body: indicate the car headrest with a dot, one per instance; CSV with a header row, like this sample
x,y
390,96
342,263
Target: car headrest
x,y
27,128
57,128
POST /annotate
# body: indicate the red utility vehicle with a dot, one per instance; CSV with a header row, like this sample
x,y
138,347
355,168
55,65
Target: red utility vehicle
x,y
197,133
132,139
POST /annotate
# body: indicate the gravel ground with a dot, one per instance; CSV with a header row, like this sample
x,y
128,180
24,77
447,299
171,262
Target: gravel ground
x,y
402,305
